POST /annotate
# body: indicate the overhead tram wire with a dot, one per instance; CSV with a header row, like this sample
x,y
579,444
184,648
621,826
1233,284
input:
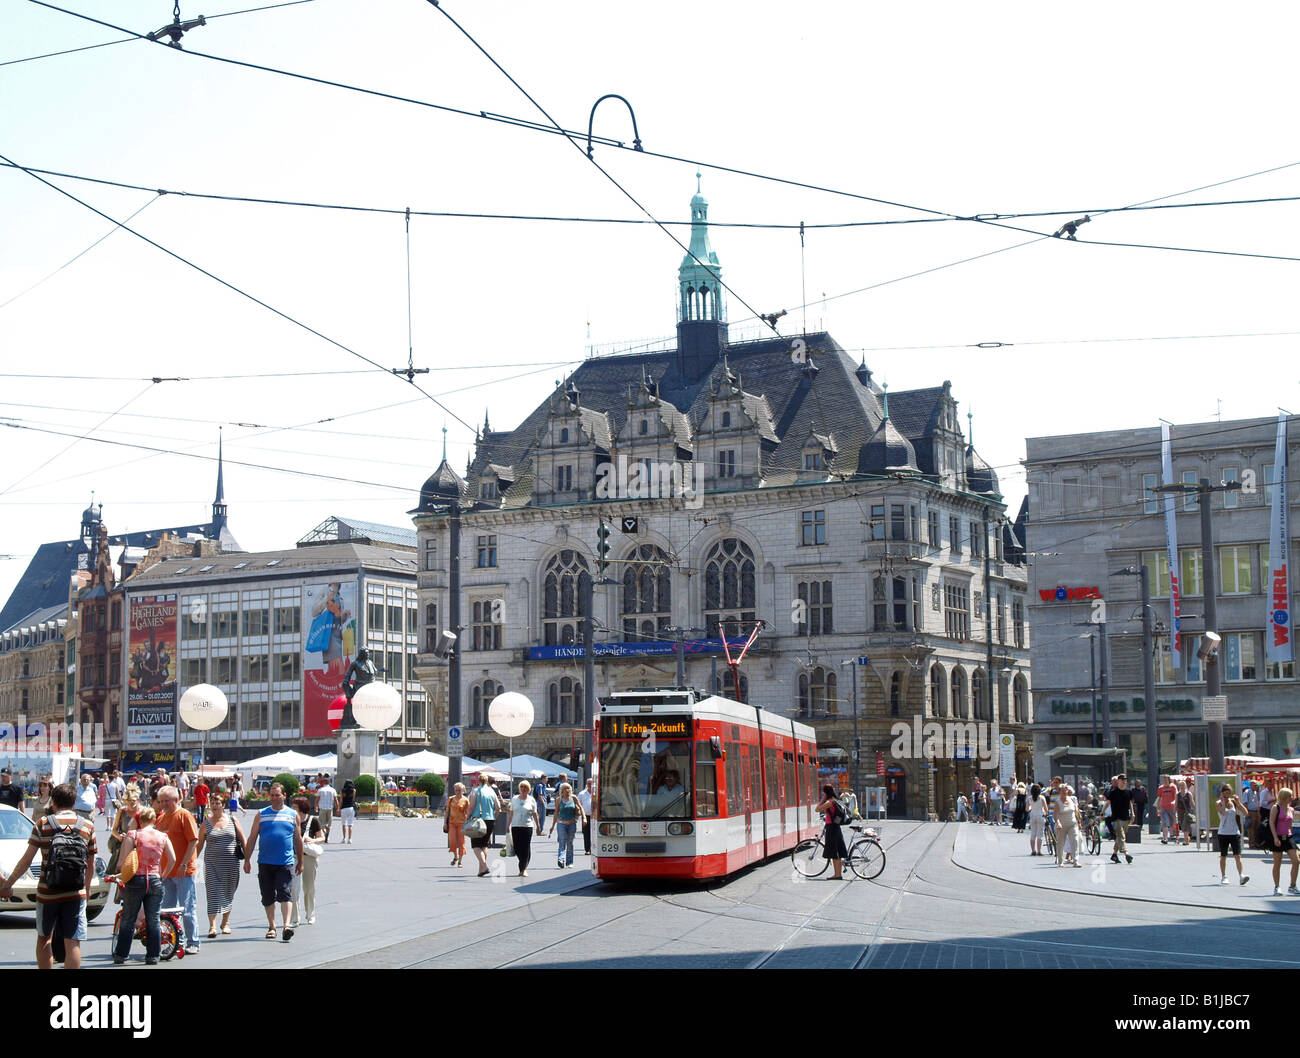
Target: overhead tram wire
x,y
136,36
572,136
238,290
51,275
600,168
561,219
286,374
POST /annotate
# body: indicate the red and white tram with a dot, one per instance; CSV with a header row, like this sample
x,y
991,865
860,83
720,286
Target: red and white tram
x,y
695,786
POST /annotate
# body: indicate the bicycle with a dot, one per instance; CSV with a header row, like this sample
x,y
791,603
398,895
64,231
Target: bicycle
x,y
866,858
170,929
1092,835
1049,836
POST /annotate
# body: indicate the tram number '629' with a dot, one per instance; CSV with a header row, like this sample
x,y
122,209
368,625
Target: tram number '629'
x,y
609,846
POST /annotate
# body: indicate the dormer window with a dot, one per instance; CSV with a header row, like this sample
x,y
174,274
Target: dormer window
x,y
564,435
814,461
726,419
644,428
488,490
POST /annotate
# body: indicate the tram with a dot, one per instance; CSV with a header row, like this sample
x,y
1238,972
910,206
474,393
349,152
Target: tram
x,y
698,786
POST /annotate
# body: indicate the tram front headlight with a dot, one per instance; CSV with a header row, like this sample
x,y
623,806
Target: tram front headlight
x,y
681,828
611,830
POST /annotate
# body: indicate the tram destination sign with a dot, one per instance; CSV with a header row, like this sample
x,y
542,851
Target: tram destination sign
x,y
637,727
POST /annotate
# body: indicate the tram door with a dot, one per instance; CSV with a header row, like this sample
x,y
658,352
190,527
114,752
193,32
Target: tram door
x,y
747,794
756,786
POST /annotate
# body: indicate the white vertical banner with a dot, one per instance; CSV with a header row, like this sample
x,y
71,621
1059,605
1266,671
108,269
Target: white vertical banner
x,y
1171,549
1278,642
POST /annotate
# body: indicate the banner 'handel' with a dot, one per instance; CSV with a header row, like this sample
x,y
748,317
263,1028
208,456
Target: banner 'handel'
x,y
1279,647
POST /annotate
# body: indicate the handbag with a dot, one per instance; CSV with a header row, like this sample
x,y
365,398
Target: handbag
x,y
475,828
239,843
129,867
322,627
311,848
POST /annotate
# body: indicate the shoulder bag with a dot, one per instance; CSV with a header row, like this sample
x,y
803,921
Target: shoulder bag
x,y
310,848
476,825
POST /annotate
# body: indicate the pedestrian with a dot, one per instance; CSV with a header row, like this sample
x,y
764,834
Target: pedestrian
x,y
159,781
832,839
221,843
483,806
1250,798
348,809
234,796
1020,814
453,824
101,792
586,799
1067,828
278,860
996,799
961,808
1183,806
568,814
1139,802
10,793
1121,806
304,885
1038,807
202,793
66,844
1281,818
116,790
977,802
42,802
540,800
326,796
154,859
179,883
1167,803
1232,814
127,811
87,796
523,807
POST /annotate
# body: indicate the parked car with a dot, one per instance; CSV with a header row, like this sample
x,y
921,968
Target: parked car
x,y
15,830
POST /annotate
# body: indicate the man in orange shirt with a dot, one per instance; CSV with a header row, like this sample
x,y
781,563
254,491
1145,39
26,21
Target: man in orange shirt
x,y
178,886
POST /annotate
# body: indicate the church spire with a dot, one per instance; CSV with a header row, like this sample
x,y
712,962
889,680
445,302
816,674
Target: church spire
x,y
219,504
701,315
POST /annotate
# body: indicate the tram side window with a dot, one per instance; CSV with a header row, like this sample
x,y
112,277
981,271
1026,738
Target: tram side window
x,y
790,796
755,783
706,781
773,779
735,797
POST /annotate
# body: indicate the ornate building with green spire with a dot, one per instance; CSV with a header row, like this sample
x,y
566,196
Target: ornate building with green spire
x,y
747,481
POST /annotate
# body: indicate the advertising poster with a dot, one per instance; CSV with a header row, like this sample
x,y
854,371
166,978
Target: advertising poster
x,y
151,670
329,621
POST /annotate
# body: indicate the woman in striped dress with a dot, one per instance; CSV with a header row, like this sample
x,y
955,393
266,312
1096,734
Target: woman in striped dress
x,y
220,835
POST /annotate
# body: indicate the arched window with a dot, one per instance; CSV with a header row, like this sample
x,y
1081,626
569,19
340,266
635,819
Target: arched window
x,y
560,596
480,698
895,694
817,693
564,435
644,427
977,694
1020,695
647,593
564,702
936,691
959,704
729,588
726,419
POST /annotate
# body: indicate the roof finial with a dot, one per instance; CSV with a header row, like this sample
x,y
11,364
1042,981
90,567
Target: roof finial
x,y
970,428
444,440
697,182
886,393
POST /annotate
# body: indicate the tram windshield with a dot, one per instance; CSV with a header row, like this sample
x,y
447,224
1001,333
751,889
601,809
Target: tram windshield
x,y
645,778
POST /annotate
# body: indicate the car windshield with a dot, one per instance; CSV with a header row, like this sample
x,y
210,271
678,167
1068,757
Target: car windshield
x,y
14,826
636,783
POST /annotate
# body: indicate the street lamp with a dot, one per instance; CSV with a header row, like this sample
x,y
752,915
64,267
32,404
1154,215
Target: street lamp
x,y
857,742
1148,690
1091,637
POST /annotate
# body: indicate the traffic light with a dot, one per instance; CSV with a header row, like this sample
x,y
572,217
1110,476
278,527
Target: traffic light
x,y
602,548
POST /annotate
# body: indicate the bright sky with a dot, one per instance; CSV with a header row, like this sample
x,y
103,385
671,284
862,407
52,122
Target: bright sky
x,y
953,107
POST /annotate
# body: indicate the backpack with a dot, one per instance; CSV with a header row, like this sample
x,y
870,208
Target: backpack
x,y
65,865
839,813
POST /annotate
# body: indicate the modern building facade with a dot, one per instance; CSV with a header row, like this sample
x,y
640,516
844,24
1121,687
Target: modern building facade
x,y
1091,515
771,480
276,632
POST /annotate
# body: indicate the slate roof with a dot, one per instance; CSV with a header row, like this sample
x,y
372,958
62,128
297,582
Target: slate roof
x,y
45,581
329,557
833,395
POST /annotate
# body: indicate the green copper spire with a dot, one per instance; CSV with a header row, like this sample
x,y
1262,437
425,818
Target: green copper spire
x,y
700,276
886,396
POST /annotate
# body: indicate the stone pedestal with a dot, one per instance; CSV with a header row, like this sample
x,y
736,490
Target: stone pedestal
x,y
356,753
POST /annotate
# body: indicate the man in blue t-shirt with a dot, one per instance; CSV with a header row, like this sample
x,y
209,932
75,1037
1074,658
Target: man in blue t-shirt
x,y
278,859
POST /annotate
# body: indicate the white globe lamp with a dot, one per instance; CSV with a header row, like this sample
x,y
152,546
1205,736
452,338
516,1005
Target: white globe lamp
x,y
202,708
511,715
377,706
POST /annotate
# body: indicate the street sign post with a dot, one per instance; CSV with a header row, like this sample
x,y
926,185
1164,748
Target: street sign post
x,y
455,742
863,659
1214,709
